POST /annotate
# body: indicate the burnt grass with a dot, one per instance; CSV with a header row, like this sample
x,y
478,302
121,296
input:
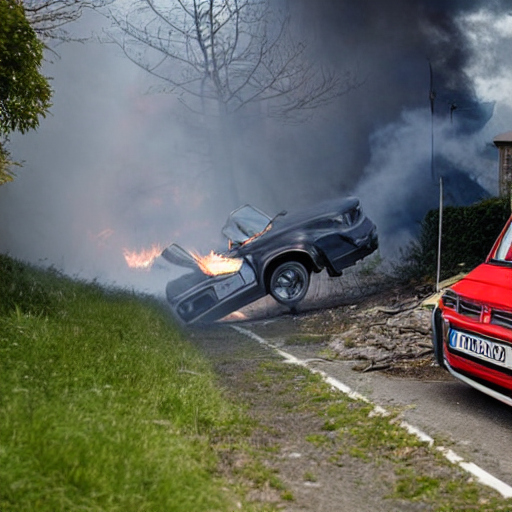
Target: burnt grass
x,y
313,449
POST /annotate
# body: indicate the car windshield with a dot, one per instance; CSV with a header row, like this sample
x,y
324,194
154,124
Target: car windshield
x,y
504,250
244,224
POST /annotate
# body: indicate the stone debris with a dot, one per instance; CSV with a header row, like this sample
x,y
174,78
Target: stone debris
x,y
384,337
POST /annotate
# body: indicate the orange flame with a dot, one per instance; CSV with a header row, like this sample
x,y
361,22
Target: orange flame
x,y
235,316
257,235
143,259
215,264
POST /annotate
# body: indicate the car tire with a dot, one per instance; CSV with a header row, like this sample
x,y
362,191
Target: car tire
x,y
289,283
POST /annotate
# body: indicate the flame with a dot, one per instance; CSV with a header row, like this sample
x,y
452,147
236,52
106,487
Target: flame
x,y
249,240
143,259
101,239
235,316
215,264
104,235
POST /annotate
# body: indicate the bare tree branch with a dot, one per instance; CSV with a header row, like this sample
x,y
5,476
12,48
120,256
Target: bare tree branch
x,y
47,17
234,52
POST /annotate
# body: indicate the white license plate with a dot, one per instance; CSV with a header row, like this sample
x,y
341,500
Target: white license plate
x,y
481,348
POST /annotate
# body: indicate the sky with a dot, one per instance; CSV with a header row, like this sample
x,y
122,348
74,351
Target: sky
x,y
116,166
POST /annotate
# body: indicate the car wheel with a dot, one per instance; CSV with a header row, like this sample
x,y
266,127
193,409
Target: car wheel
x,y
289,283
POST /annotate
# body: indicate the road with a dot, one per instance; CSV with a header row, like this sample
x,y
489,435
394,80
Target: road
x,y
475,426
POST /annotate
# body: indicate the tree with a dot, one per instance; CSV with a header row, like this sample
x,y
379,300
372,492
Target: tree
x,y
48,17
227,51
6,165
24,92
222,56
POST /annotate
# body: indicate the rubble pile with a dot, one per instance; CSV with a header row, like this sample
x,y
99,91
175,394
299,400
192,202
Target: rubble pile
x,y
381,338
389,331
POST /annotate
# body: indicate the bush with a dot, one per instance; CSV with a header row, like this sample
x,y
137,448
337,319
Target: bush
x,y
469,233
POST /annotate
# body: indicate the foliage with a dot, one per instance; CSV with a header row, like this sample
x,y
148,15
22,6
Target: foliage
x,y
24,92
6,164
468,234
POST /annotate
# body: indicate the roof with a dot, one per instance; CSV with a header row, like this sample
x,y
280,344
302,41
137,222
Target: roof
x,y
503,138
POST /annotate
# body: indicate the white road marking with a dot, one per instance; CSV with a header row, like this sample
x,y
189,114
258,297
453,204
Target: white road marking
x,y
480,474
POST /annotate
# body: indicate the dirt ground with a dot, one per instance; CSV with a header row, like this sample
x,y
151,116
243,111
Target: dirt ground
x,y
386,331
318,478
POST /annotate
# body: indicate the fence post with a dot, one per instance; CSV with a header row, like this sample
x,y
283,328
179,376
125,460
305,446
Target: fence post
x,y
440,233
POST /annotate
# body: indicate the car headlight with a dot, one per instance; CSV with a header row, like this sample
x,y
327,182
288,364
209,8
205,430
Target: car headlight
x,y
450,299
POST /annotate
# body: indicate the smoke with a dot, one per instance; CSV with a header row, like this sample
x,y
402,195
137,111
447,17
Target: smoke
x,y
401,143
116,167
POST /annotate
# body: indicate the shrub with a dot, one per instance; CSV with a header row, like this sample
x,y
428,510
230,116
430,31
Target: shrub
x,y
468,235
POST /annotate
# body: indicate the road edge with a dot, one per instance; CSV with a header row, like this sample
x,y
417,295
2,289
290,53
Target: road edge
x,y
484,477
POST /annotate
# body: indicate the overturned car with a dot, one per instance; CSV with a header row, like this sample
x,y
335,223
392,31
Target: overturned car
x,y
268,255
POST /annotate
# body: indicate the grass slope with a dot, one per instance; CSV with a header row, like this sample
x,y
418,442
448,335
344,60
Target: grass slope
x,y
102,405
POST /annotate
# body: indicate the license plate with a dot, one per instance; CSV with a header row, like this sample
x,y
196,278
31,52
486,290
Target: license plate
x,y
486,350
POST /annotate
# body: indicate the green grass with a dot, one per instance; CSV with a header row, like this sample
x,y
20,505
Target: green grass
x,y
306,339
103,406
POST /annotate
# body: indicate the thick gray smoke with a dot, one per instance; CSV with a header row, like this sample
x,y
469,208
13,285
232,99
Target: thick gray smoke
x,y
116,167
405,50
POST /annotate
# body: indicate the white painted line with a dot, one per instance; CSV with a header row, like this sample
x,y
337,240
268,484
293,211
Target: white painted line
x,y
418,433
480,474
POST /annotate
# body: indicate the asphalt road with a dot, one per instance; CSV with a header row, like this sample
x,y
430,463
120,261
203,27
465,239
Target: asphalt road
x,y
473,425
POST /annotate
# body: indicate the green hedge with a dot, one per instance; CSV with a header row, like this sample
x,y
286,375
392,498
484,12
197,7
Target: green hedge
x,y
468,235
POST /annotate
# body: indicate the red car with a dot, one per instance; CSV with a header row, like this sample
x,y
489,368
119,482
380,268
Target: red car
x,y
472,324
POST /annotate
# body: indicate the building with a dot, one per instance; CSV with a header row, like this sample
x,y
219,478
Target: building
x,y
504,144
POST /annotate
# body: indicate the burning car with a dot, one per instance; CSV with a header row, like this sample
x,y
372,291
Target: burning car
x,y
472,324
268,255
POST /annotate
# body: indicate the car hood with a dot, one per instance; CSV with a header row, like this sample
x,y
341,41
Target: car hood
x,y
250,223
178,256
488,283
292,226
324,209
